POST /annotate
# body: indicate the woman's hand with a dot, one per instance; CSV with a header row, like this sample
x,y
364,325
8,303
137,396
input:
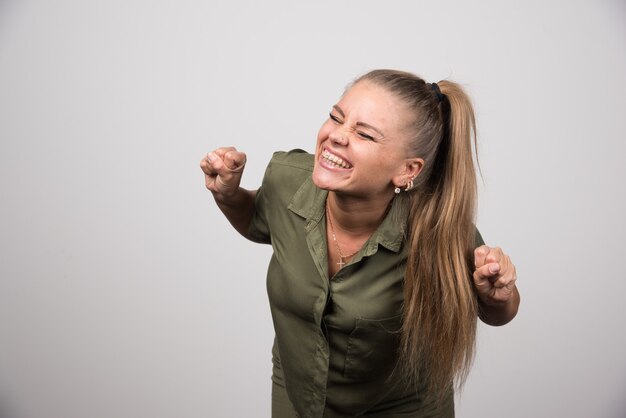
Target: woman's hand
x,y
222,169
222,174
494,280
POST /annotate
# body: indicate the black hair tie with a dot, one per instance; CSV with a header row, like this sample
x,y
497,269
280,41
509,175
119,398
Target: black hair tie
x,y
435,87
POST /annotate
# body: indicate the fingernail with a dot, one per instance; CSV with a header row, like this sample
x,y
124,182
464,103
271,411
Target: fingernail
x,y
494,268
211,157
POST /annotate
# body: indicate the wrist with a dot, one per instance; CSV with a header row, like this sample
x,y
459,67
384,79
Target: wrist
x,y
224,191
498,311
489,301
234,198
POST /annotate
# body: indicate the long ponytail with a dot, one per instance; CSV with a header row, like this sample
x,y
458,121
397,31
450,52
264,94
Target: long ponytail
x,y
440,306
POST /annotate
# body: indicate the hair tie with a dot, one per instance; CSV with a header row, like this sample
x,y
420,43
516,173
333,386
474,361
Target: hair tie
x,y
435,87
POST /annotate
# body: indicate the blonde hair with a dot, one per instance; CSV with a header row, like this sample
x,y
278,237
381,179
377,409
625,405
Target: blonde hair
x,y
440,306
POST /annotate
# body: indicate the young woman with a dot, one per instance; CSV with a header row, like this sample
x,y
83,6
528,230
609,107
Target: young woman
x,y
378,274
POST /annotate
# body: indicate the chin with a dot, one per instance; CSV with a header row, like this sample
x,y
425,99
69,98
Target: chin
x,y
326,180
319,179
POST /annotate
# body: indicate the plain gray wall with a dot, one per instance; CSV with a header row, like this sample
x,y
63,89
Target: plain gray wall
x,y
124,293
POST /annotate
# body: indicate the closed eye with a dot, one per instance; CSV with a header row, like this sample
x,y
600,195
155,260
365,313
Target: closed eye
x,y
366,136
335,118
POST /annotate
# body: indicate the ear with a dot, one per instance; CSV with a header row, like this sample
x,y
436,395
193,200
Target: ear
x,y
410,169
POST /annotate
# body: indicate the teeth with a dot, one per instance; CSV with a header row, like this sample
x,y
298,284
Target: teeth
x,y
334,160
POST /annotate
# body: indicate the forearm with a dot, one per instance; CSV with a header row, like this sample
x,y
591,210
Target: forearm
x,y
499,314
238,208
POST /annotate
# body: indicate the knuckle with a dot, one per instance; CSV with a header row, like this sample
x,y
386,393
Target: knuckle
x,y
230,156
481,251
221,151
495,255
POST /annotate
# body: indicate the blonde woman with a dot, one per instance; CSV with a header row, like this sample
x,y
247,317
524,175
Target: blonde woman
x,y
378,274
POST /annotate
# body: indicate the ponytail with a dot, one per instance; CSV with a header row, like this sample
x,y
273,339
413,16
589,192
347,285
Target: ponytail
x,y
440,306
440,310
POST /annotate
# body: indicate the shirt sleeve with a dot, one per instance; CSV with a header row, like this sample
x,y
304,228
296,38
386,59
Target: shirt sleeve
x,y
259,229
283,177
478,239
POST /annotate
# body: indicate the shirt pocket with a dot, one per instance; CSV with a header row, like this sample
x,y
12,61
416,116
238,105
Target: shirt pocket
x,y
372,347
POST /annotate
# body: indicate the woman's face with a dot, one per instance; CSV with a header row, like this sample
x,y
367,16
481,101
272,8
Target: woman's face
x,y
362,147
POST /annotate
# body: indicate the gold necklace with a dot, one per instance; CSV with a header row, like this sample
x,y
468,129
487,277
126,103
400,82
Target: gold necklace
x,y
342,257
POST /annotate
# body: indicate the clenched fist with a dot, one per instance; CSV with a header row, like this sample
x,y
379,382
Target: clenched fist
x,y
494,277
222,169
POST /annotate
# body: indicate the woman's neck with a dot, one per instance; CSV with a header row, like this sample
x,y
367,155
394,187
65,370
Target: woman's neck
x,y
357,216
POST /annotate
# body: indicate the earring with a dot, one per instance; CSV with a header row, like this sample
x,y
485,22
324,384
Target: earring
x,y
409,185
396,190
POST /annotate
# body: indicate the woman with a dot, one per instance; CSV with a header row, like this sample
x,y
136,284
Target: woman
x,y
378,274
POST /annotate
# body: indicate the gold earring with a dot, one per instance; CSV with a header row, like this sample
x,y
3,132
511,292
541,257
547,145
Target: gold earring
x,y
409,185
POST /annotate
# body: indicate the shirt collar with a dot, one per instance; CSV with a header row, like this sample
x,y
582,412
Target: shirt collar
x,y
309,202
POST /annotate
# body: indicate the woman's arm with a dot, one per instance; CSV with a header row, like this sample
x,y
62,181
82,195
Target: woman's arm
x,y
222,174
238,209
494,280
499,314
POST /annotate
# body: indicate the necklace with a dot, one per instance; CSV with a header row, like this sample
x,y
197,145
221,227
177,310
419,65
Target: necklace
x,y
342,257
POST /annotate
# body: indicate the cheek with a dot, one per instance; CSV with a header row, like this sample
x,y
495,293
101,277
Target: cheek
x,y
381,167
324,131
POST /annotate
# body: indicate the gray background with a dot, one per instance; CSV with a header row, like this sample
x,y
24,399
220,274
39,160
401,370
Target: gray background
x,y
123,291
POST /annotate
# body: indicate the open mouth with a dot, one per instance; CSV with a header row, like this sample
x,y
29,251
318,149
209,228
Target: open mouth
x,y
334,161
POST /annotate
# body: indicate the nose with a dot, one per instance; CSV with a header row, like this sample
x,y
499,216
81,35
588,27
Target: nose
x,y
339,137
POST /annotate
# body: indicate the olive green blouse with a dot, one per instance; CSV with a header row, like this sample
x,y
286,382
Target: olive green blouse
x,y
336,338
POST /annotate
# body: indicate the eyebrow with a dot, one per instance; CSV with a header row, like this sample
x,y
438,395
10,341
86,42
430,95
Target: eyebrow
x,y
363,124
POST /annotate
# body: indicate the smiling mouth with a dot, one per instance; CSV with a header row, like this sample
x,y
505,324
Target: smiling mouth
x,y
335,161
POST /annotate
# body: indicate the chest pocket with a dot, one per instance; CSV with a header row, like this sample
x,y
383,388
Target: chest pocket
x,y
372,347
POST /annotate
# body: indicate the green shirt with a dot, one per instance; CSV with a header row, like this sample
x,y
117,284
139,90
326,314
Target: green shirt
x,y
336,338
